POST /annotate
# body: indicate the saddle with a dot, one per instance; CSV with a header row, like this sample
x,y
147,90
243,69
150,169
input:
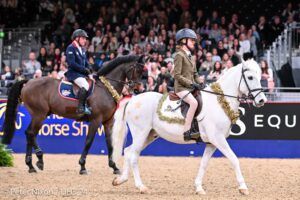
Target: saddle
x,y
185,106
184,109
69,90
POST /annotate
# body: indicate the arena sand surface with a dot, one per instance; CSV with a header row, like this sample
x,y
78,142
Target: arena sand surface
x,y
166,177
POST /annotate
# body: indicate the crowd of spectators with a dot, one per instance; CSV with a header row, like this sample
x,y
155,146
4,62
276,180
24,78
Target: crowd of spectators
x,y
149,27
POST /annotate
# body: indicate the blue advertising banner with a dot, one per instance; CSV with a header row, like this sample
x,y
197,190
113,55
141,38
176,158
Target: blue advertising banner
x,y
61,135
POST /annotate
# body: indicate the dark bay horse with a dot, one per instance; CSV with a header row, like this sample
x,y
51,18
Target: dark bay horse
x,y
41,98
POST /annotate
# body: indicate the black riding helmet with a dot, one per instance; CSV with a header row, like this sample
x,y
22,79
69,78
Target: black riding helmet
x,y
79,33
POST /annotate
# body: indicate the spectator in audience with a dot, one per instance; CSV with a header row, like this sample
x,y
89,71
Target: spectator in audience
x,y
42,56
215,33
62,70
266,76
253,41
244,45
215,56
38,74
215,73
221,50
30,66
207,65
96,40
276,27
233,57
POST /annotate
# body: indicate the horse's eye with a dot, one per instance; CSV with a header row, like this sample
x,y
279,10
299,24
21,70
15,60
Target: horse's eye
x,y
250,78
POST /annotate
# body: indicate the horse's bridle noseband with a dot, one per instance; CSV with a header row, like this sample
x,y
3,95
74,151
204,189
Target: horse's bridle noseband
x,y
250,95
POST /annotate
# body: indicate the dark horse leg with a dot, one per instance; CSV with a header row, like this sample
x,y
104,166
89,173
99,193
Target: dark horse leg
x,y
94,124
107,129
39,154
31,132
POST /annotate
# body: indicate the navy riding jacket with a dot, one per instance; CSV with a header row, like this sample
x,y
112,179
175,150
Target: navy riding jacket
x,y
77,63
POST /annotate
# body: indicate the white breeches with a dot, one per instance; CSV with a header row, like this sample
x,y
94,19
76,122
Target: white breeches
x,y
82,83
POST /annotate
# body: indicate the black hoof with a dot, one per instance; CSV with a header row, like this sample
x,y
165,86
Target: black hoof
x,y
32,170
83,172
117,171
40,165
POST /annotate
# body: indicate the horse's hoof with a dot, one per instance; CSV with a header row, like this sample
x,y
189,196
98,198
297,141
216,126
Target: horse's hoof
x,y
244,191
117,181
200,191
83,172
40,165
117,171
143,189
32,170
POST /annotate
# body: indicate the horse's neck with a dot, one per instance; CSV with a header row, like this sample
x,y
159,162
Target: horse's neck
x,y
116,77
229,83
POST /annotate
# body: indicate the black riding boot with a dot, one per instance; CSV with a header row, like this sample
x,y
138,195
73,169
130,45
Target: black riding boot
x,y
190,135
82,108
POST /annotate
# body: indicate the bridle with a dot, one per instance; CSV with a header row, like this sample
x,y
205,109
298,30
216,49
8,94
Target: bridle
x,y
242,98
250,91
131,69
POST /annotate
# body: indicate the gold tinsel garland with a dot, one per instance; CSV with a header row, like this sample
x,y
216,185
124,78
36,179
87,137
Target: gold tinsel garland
x,y
171,120
111,89
233,116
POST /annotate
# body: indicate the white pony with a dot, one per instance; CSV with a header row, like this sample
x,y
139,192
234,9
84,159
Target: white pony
x,y
214,124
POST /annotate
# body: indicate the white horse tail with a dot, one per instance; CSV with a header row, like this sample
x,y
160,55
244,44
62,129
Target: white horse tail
x,y
119,130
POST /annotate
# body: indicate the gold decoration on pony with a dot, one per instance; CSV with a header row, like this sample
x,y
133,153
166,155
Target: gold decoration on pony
x,y
111,89
233,116
171,120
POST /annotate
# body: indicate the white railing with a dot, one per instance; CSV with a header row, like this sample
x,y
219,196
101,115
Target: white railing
x,y
286,46
17,44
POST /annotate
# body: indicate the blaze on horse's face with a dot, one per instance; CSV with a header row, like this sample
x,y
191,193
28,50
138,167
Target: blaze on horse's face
x,y
136,70
250,84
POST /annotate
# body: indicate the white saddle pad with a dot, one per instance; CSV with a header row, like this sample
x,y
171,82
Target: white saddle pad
x,y
168,110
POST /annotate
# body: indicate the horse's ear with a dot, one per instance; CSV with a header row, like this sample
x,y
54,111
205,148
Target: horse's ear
x,y
141,59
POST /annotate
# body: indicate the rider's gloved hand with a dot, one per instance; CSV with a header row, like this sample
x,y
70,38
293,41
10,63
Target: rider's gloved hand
x,y
87,71
197,86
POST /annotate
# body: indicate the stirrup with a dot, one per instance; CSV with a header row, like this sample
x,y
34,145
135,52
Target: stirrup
x,y
84,110
189,135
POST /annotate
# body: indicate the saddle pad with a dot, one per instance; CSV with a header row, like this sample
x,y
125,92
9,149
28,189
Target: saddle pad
x,y
168,110
65,90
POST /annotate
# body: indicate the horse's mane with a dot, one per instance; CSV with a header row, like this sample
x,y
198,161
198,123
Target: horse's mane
x,y
109,66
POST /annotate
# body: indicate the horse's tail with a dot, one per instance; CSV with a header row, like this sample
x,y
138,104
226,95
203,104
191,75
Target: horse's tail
x,y
11,111
119,130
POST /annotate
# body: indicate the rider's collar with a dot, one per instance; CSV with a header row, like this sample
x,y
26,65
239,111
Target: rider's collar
x,y
188,52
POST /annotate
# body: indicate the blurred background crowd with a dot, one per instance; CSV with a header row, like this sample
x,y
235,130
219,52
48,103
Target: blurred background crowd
x,y
227,30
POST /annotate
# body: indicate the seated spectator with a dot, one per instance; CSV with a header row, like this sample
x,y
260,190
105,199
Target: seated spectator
x,y
37,74
96,40
215,73
233,57
46,70
7,74
215,56
244,44
54,75
30,66
227,65
266,76
221,50
62,70
207,65
225,58
151,84
42,56
154,71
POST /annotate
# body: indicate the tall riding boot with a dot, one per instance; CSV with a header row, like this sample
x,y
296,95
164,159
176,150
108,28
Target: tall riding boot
x,y
82,108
